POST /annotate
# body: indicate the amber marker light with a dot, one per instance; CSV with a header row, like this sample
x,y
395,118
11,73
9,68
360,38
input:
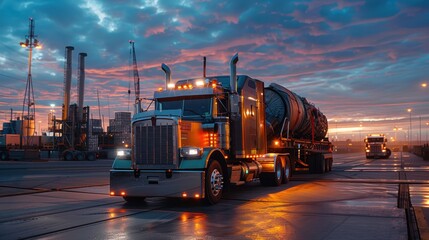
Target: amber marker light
x,y
424,85
112,193
184,195
122,193
197,195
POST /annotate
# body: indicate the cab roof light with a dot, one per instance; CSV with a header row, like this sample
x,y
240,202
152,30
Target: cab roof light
x,y
171,86
199,83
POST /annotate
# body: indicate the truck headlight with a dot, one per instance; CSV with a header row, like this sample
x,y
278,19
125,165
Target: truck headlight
x,y
123,154
191,152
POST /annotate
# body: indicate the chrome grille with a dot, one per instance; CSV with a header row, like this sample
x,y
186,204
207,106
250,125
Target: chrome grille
x,y
375,148
155,145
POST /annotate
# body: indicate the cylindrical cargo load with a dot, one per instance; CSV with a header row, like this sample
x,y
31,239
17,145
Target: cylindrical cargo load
x,y
286,110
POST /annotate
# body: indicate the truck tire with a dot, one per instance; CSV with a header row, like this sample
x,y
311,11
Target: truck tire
x,y
326,167
213,182
287,172
3,156
79,156
389,152
68,156
317,163
91,156
273,179
330,162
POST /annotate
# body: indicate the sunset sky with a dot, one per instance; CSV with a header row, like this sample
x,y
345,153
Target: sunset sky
x,y
363,63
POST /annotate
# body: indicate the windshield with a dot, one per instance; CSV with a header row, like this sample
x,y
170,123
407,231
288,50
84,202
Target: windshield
x,y
376,139
195,107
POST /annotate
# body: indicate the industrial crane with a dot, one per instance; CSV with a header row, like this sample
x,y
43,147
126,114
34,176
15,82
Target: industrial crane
x,y
136,78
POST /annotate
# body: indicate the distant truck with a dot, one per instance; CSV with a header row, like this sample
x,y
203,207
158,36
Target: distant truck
x,y
375,146
211,132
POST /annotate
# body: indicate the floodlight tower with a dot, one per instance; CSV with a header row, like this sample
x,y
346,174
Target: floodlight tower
x,y
30,117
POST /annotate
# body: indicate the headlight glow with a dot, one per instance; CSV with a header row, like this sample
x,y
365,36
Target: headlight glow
x,y
191,152
120,153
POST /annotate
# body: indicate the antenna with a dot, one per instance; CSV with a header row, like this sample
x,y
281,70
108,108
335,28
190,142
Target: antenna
x,y
30,43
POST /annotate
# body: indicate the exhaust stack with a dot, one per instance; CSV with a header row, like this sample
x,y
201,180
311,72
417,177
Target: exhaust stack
x,y
81,84
234,99
167,71
204,67
233,74
67,82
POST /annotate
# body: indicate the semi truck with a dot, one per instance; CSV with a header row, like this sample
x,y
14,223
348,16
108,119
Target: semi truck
x,y
206,134
376,146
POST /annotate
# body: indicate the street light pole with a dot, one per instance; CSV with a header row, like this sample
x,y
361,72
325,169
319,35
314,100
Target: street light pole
x,y
410,130
420,131
30,43
427,130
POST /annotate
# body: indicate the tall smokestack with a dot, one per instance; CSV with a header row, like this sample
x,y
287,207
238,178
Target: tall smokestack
x,y
234,99
167,71
204,66
233,74
81,83
67,81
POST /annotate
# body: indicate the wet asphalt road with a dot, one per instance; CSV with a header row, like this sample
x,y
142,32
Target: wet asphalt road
x,y
69,200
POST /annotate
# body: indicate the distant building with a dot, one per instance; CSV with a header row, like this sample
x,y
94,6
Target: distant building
x,y
120,128
51,117
95,127
12,127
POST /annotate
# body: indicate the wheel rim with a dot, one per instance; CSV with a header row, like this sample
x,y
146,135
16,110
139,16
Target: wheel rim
x,y
215,182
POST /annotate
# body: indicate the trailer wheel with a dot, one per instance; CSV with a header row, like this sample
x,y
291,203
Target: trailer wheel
x,y
80,156
3,156
213,182
317,163
287,171
91,156
330,162
68,156
273,179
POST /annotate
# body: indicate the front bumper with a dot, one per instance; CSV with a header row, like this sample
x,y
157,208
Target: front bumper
x,y
157,183
376,154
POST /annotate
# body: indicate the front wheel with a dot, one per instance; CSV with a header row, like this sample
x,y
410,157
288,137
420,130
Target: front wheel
x,y
214,182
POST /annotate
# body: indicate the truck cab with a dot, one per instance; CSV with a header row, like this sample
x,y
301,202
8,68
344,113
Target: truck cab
x,y
375,146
